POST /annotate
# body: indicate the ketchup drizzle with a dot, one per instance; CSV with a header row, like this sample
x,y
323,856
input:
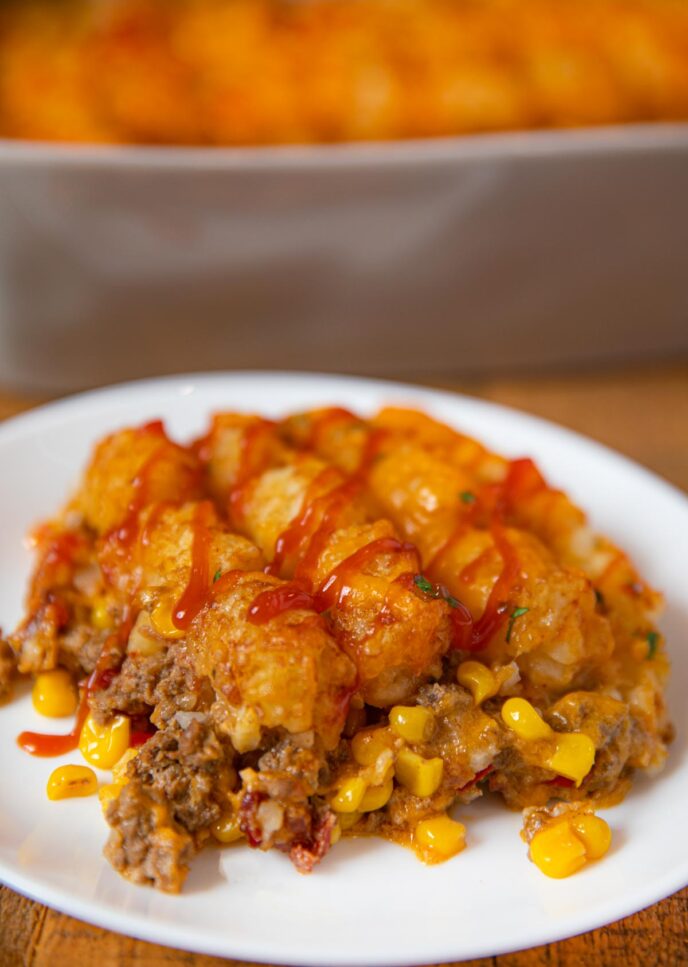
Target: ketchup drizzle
x,y
249,465
295,537
107,667
334,503
194,595
337,585
275,601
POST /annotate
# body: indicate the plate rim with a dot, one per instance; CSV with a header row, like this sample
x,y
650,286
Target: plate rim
x,y
497,145
182,936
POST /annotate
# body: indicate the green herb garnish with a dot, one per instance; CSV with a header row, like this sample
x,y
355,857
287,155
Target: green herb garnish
x,y
217,575
652,642
516,613
434,590
467,497
427,587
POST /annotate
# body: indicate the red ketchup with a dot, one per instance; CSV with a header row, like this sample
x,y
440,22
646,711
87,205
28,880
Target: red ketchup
x,y
297,536
337,586
250,461
107,668
275,601
196,592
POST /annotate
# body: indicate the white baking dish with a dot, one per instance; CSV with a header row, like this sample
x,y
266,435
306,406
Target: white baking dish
x,y
451,255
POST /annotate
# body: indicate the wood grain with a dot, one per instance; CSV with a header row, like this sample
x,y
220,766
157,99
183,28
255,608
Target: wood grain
x,y
643,412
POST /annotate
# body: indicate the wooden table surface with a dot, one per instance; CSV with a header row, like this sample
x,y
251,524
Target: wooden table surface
x,y
641,411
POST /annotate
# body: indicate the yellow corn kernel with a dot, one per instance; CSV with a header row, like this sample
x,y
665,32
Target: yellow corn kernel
x,y
478,679
226,829
347,820
368,744
335,834
420,776
66,782
108,793
54,694
104,745
573,756
439,838
557,851
349,795
100,615
594,833
119,770
376,797
414,723
161,616
520,716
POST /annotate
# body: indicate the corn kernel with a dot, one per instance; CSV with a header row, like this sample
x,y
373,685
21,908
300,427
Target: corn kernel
x,y
573,756
594,833
108,793
347,820
66,782
478,679
119,770
349,795
161,616
439,838
376,797
335,834
226,829
520,716
420,776
413,723
368,744
100,615
54,694
104,745
557,851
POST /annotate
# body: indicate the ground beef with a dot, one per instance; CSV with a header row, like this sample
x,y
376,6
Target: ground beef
x,y
464,737
608,722
522,783
179,688
132,691
299,761
80,647
36,641
190,770
404,811
8,669
145,844
280,808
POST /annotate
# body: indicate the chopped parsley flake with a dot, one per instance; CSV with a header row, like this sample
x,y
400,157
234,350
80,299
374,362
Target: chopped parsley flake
x,y
516,613
434,590
427,587
467,497
217,575
652,642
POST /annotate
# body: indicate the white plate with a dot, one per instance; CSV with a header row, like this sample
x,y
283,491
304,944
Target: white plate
x,y
369,902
